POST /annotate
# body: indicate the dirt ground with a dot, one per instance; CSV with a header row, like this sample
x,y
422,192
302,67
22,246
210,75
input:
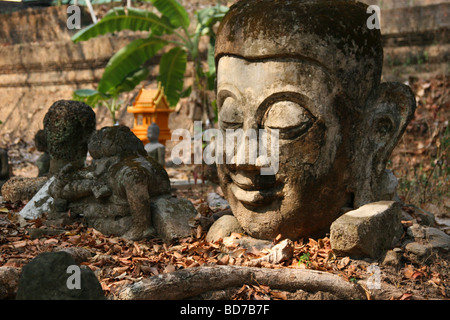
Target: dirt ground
x,y
118,262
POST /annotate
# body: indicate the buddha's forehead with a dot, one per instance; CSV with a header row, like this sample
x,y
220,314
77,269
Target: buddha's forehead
x,y
253,83
260,79
331,33
271,73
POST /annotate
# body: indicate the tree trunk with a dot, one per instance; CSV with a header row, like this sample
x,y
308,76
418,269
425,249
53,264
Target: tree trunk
x,y
192,282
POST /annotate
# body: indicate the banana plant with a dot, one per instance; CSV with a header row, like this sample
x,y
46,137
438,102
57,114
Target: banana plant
x,y
167,32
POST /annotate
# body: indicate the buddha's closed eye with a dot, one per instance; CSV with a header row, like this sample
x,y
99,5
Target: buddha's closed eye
x,y
278,112
290,118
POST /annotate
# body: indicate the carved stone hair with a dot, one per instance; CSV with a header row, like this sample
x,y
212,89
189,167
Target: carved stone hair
x,y
331,33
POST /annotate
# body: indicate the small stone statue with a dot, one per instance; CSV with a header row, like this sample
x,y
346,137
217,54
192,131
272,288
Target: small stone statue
x,y
67,128
155,149
113,194
312,71
4,167
43,162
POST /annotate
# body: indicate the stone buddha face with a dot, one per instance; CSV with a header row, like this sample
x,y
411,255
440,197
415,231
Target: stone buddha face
x,y
336,124
153,133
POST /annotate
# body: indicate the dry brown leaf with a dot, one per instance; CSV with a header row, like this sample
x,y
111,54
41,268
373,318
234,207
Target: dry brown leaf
x,y
169,268
408,271
238,252
20,243
278,295
137,250
405,296
224,260
120,270
199,231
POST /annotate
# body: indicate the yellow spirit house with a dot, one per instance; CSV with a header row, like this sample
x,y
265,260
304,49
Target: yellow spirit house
x,y
151,106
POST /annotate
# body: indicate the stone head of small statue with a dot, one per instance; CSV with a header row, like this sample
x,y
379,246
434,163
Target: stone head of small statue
x,y
40,141
312,71
153,133
155,149
68,126
117,141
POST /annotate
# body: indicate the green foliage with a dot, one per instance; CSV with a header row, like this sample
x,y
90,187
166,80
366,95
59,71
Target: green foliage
x,y
128,60
304,259
95,98
109,99
172,69
124,70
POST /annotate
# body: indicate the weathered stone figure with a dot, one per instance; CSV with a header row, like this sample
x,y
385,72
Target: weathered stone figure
x,y
4,167
310,69
155,149
115,192
68,126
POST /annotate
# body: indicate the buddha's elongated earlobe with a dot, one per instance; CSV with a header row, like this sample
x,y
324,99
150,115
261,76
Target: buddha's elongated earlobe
x,y
392,109
388,111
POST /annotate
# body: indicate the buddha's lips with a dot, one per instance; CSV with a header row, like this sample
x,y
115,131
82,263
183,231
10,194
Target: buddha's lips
x,y
253,193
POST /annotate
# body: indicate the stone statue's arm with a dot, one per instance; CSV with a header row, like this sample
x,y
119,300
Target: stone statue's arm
x,y
71,184
161,156
72,190
138,198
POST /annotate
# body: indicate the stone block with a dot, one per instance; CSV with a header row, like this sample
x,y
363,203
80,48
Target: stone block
x,y
223,227
170,218
367,231
40,203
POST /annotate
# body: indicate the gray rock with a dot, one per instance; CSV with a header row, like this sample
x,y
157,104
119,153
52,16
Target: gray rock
x,y
39,204
36,233
418,250
78,254
411,212
388,186
393,258
367,231
432,238
249,242
46,278
170,217
216,202
406,216
223,227
425,217
416,231
9,280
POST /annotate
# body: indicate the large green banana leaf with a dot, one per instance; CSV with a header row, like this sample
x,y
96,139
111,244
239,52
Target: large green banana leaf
x,y
177,15
117,19
128,60
171,73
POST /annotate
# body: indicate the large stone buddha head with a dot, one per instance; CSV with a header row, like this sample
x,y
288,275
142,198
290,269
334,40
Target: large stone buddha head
x,y
310,70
